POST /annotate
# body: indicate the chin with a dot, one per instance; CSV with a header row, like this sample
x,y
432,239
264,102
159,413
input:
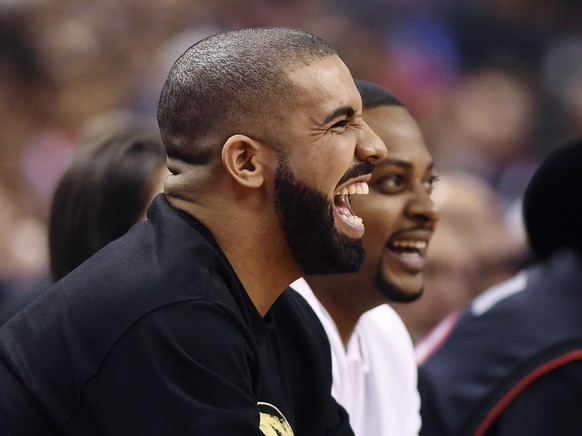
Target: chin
x,y
404,291
402,296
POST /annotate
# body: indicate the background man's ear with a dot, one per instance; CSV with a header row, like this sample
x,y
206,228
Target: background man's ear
x,y
242,158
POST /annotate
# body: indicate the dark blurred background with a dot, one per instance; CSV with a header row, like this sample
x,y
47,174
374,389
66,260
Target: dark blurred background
x,y
493,84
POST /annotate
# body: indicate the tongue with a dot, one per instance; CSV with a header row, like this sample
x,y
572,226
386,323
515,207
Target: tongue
x,y
342,205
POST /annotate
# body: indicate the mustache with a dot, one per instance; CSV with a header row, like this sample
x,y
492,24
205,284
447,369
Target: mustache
x,y
359,169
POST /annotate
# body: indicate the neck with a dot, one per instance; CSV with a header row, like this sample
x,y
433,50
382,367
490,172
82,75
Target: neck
x,y
255,247
264,270
340,296
347,297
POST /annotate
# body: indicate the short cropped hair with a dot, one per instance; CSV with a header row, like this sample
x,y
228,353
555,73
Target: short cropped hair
x,y
227,84
374,95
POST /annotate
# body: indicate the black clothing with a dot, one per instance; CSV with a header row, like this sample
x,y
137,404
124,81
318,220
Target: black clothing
x,y
513,362
552,220
16,295
156,335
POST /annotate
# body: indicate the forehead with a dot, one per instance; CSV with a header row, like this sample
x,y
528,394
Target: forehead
x,y
324,85
400,132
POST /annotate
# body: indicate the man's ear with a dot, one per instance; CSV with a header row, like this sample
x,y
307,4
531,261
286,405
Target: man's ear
x,y
243,159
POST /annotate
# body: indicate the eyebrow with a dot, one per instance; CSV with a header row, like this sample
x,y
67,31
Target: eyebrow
x,y
347,111
401,163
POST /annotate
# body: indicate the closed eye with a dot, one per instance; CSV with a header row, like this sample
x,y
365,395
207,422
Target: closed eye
x,y
342,124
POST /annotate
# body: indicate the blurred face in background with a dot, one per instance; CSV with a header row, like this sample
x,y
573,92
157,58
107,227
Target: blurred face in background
x,y
398,213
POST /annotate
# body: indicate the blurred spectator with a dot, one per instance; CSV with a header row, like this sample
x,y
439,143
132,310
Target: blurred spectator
x,y
511,363
23,247
472,248
487,127
118,169
27,103
488,81
562,78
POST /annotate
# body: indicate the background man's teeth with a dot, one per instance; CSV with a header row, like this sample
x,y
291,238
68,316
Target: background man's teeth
x,y
405,244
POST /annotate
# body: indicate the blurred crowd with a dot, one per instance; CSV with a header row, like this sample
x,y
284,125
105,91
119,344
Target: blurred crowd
x,y
494,86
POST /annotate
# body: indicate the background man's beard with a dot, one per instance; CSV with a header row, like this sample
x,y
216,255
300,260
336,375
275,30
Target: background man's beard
x,y
308,225
390,291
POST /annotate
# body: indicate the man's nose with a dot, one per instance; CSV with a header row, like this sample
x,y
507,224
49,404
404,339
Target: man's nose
x,y
370,147
421,206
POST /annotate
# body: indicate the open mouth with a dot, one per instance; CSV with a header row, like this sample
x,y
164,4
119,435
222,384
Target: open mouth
x,y
409,252
408,246
343,207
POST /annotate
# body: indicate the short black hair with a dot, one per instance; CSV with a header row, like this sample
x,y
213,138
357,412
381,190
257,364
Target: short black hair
x,y
374,95
227,83
552,209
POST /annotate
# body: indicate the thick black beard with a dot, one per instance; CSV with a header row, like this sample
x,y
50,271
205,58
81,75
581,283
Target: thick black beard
x,y
390,291
307,221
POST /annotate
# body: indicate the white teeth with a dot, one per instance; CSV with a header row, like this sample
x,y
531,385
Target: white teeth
x,y
354,220
418,245
361,188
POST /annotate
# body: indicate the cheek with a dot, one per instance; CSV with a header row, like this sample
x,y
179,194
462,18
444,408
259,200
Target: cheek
x,y
334,156
380,216
319,171
377,232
